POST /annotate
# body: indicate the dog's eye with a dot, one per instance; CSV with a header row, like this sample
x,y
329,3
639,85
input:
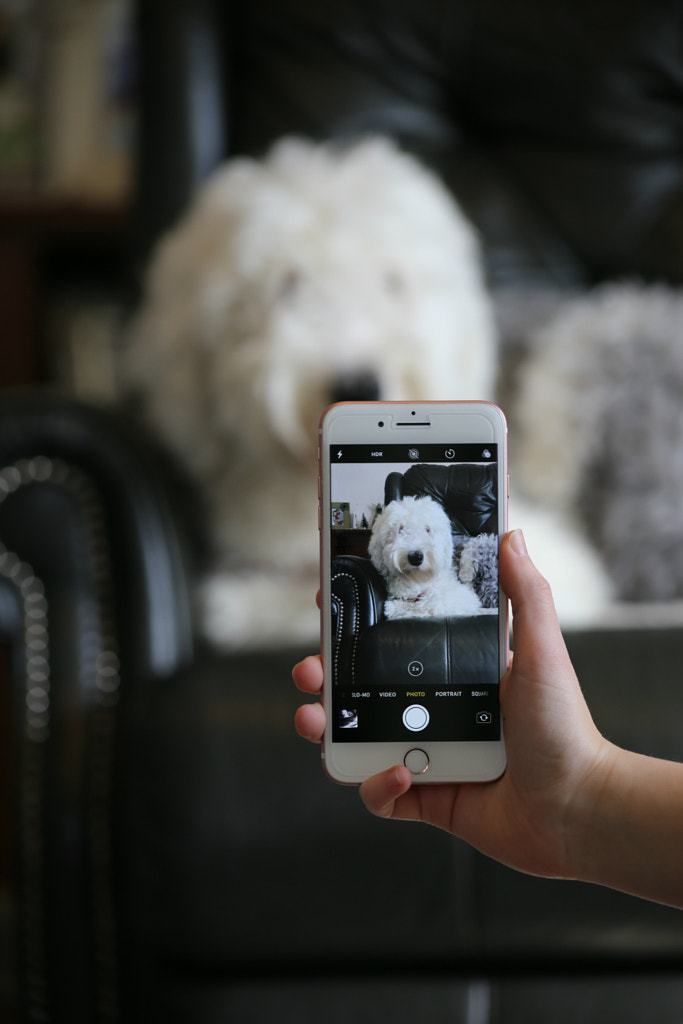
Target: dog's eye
x,y
289,283
393,282
428,529
400,529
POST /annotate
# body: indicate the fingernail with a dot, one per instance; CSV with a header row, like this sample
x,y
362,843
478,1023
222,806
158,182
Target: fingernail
x,y
517,543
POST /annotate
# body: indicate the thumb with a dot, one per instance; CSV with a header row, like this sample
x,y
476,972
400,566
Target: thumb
x,y
538,642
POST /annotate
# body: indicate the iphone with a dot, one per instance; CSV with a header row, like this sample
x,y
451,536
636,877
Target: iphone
x,y
413,501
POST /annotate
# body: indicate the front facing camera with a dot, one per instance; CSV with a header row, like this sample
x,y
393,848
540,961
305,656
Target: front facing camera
x,y
381,423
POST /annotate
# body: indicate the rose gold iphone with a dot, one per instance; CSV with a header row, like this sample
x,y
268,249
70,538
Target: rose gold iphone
x,y
413,501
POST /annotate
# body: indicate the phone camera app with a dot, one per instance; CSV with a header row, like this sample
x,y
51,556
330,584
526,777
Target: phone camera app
x,y
412,533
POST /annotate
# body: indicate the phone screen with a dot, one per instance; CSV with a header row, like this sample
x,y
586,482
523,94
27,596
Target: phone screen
x,y
423,665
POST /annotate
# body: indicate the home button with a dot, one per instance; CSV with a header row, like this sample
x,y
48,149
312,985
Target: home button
x,y
416,761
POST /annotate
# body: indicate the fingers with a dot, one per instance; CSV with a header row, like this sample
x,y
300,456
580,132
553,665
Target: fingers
x,y
309,722
522,582
308,674
539,644
533,609
380,793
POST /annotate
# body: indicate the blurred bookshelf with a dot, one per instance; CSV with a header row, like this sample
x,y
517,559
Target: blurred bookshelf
x,y
67,125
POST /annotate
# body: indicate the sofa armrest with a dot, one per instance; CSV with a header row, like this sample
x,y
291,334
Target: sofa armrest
x,y
358,594
94,602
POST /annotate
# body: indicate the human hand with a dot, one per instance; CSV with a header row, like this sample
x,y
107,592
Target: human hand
x,y
529,817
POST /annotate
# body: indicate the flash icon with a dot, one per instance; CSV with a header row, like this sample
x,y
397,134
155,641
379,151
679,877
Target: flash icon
x,y
339,454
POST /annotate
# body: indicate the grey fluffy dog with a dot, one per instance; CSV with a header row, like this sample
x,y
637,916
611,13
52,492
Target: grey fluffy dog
x,y
599,425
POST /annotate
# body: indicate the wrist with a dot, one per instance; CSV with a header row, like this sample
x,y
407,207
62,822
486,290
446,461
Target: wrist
x,y
586,841
629,826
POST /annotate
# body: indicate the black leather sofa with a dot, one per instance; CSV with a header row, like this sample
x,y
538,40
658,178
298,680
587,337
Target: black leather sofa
x,y
179,855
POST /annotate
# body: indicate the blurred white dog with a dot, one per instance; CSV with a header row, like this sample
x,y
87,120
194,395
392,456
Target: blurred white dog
x,y
316,275
411,546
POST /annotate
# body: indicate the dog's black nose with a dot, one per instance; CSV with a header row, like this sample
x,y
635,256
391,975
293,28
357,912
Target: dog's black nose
x,y
415,558
360,386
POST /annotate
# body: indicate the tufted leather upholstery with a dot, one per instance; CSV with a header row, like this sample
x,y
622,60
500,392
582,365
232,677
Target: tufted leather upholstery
x,y
94,601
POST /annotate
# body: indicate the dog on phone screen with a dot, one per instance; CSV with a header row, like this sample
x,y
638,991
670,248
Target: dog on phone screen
x,y
411,546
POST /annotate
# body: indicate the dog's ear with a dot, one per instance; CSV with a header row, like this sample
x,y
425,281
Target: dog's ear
x,y
375,544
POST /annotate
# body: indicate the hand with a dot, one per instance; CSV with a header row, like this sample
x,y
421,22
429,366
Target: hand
x,y
529,818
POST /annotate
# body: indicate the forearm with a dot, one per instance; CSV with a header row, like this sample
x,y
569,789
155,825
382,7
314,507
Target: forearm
x,y
631,836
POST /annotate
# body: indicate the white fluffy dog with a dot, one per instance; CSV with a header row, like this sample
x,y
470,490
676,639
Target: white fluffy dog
x,y
314,275
411,546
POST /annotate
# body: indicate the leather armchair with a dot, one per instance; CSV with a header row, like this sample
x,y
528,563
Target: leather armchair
x,y
94,602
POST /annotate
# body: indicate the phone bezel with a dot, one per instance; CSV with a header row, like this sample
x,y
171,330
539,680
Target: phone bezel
x,y
428,422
